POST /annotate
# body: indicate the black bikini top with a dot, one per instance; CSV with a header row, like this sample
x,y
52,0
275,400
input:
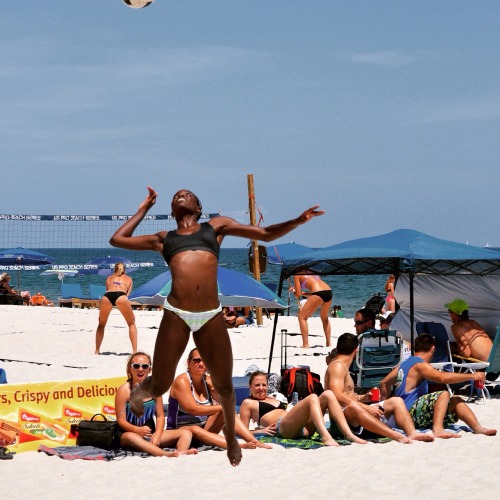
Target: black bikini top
x,y
203,239
265,408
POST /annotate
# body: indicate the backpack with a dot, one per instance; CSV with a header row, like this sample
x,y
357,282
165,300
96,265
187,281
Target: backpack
x,y
375,303
302,381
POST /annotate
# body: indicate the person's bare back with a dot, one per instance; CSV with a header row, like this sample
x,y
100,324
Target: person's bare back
x,y
472,340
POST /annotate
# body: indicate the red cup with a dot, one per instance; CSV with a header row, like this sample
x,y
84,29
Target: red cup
x,y
478,384
375,394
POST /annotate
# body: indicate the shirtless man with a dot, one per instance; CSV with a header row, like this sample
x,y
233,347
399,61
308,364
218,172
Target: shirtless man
x,y
472,340
370,417
435,409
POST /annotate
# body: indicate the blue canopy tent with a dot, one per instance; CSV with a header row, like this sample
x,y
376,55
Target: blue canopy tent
x,y
402,252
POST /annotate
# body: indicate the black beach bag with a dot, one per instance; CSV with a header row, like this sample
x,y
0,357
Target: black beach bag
x,y
99,433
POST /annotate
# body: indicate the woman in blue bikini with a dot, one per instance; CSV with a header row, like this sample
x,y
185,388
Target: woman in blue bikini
x,y
146,433
118,288
193,305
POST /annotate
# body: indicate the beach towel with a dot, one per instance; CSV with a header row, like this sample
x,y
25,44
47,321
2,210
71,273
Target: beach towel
x,y
93,453
302,443
83,452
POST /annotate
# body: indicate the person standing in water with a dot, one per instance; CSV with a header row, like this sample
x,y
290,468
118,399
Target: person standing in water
x,y
191,252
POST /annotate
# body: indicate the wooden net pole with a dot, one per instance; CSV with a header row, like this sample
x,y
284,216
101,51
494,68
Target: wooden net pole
x,y
255,243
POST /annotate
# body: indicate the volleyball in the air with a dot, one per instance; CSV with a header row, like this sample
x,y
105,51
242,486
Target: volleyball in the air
x,y
138,4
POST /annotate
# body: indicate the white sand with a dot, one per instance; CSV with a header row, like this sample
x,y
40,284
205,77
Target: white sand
x,y
64,339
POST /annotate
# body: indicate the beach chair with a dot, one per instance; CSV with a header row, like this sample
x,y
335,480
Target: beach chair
x,y
96,291
378,353
70,292
442,359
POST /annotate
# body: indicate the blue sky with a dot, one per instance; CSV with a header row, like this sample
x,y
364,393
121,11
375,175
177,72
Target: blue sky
x,y
386,114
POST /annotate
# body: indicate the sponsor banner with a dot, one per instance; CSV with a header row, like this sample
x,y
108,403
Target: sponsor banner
x,y
91,218
44,413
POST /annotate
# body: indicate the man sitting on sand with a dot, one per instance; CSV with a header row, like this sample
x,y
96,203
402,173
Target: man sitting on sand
x,y
379,418
472,340
435,409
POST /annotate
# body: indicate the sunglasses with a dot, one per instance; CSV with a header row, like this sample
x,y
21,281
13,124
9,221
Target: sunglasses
x,y
361,322
145,366
196,360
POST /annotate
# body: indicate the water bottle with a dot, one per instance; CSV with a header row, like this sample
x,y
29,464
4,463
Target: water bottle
x,y
295,398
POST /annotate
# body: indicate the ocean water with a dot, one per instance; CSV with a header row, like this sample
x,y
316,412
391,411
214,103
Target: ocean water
x,y
351,292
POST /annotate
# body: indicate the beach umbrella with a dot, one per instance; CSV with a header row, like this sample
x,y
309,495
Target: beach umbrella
x,y
17,259
235,289
105,266
61,273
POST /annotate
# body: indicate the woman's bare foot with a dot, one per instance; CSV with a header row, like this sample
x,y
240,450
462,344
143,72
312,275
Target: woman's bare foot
x,y
403,439
233,451
427,437
258,444
355,439
329,441
191,451
248,446
485,431
304,347
442,434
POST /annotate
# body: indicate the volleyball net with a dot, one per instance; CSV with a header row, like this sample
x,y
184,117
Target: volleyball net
x,y
73,240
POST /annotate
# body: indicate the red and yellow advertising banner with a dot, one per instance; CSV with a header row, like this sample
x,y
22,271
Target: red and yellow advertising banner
x,y
43,413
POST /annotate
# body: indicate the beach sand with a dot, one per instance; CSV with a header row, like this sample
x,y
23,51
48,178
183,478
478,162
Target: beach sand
x,y
62,340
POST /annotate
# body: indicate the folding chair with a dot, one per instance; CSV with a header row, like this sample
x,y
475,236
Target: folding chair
x,y
378,353
441,360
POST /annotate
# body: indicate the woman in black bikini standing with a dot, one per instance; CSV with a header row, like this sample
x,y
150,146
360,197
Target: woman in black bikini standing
x,y
191,253
118,288
318,294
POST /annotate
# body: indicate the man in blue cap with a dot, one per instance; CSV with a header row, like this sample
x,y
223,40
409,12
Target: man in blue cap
x,y
472,340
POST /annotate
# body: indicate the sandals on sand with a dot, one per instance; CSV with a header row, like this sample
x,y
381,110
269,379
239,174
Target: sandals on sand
x,y
5,454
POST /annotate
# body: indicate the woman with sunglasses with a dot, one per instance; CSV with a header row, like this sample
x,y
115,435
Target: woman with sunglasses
x,y
303,420
192,253
193,398
147,433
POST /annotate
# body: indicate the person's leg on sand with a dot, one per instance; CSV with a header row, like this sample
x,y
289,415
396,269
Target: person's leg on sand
x,y
329,403
306,413
306,311
212,341
440,409
327,328
464,413
124,306
397,408
105,309
358,416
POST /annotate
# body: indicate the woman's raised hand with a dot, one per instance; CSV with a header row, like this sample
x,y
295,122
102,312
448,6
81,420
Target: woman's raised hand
x,y
150,199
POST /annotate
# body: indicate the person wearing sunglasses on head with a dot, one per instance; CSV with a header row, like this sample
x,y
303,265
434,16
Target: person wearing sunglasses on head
x,y
193,398
364,320
192,254
146,433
